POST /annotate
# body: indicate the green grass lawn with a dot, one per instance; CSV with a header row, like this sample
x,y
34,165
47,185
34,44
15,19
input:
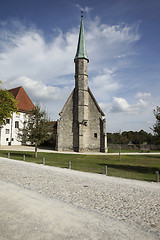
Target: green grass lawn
x,y
132,166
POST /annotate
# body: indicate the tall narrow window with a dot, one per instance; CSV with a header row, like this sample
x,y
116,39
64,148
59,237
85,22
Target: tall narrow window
x,y
16,124
7,131
8,121
95,135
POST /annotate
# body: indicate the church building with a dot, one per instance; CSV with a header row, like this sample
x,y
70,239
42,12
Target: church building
x,y
82,126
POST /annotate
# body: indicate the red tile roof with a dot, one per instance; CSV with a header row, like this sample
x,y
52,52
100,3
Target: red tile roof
x,y
24,103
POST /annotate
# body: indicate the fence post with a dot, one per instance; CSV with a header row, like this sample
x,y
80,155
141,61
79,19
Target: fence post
x,y
120,153
8,155
69,165
157,176
105,170
24,157
44,160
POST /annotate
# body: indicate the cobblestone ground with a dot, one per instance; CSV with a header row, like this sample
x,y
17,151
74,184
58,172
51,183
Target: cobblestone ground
x,y
130,201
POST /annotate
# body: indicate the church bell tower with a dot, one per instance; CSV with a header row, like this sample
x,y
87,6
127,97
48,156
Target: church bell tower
x,y
82,125
81,93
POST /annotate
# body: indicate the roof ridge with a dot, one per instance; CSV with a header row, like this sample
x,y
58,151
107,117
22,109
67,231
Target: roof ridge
x,y
24,102
92,96
95,101
66,102
15,91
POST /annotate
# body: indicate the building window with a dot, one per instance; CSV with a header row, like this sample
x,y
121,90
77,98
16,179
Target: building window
x,y
12,139
7,131
8,121
7,139
16,124
24,123
95,135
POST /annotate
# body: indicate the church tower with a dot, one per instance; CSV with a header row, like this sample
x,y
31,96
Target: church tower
x,y
82,126
81,93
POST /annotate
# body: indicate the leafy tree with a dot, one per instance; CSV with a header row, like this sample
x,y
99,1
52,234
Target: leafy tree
x,y
8,105
156,126
131,137
37,128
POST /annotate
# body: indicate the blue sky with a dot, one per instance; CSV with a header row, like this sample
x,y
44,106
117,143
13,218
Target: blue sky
x,y
38,41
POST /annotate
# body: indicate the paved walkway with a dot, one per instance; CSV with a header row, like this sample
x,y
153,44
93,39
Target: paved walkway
x,y
31,149
42,202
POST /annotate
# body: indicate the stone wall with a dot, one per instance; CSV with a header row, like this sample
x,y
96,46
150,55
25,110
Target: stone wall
x,y
70,131
65,127
93,126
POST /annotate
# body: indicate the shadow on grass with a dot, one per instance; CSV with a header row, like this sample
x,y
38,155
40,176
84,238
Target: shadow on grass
x,y
136,169
152,156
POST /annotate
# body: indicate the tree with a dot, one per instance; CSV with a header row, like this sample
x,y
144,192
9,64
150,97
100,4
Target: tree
x,y
8,105
131,137
156,126
37,128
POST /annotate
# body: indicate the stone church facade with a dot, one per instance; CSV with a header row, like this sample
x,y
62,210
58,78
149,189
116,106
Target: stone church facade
x,y
82,126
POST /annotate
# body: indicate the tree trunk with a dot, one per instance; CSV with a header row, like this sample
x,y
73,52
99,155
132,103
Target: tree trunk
x,y
35,154
0,133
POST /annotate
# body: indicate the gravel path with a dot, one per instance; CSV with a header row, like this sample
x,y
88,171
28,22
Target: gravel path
x,y
135,204
32,149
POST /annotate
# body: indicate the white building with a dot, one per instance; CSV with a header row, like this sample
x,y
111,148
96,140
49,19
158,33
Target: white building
x,y
8,135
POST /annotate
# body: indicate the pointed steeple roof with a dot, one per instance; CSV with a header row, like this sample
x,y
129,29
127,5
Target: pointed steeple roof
x,y
81,48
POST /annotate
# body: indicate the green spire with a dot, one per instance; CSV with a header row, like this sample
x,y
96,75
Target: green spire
x,y
81,48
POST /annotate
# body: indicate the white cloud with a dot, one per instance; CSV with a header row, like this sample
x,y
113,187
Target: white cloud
x,y
52,97
141,103
110,41
128,54
121,105
143,95
104,83
46,69
105,106
38,90
113,33
84,9
106,42
26,52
